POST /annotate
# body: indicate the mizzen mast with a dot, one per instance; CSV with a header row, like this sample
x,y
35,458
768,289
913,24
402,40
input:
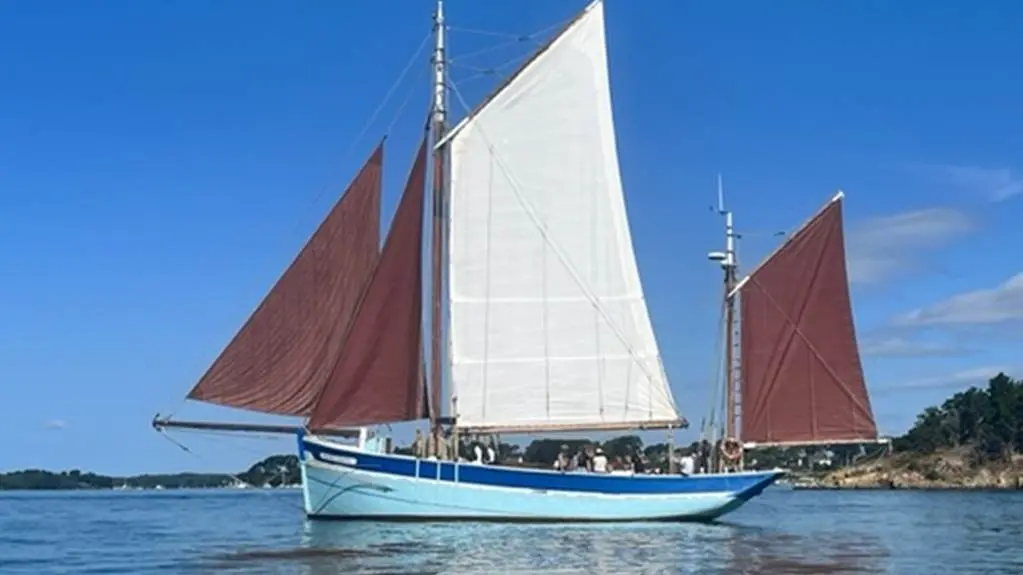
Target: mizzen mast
x,y
439,231
729,264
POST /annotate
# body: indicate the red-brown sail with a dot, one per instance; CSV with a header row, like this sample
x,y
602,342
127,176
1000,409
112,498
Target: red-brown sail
x,y
802,381
278,361
378,377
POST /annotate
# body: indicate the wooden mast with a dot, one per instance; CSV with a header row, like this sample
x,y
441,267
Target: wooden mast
x,y
439,229
729,265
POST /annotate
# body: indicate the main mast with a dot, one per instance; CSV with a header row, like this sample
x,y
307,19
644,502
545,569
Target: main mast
x,y
439,232
729,265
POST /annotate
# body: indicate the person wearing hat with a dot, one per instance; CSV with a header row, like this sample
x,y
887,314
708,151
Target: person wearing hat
x,y
600,461
561,463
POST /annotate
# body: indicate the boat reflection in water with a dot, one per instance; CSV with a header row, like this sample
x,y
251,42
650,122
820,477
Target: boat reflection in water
x,y
386,547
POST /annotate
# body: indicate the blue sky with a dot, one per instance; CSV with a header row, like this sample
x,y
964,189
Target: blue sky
x,y
161,162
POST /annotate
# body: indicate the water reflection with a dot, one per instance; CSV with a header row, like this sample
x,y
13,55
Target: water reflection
x,y
373,548
252,532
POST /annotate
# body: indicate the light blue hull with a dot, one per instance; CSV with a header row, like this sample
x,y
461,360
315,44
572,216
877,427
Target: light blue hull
x,y
342,482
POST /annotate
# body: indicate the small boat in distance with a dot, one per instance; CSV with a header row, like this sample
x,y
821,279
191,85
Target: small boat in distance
x,y
539,321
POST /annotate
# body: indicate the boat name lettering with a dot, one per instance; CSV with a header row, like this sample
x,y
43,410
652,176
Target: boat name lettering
x,y
338,459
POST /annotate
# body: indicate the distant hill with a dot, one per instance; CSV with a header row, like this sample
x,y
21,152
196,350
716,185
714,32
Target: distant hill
x,y
275,471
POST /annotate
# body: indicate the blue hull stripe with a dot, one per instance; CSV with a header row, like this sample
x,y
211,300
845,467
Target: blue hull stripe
x,y
744,485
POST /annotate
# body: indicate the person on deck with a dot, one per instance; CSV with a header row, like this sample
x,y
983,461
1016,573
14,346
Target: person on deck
x,y
419,445
437,444
688,464
600,461
477,451
491,453
704,456
580,461
431,445
450,445
562,461
638,466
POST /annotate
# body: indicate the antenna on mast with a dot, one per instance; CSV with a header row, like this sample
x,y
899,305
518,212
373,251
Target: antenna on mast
x,y
727,257
721,195
440,110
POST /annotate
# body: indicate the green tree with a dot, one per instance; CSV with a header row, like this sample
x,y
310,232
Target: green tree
x,y
987,420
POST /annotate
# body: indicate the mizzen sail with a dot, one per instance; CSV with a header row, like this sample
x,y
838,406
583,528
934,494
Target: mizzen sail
x,y
549,324
802,381
279,361
378,376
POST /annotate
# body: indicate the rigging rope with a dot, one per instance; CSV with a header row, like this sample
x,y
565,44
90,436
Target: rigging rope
x,y
718,382
516,37
373,117
480,32
236,477
481,72
514,40
456,62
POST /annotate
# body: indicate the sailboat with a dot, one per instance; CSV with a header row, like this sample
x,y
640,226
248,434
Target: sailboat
x,y
538,318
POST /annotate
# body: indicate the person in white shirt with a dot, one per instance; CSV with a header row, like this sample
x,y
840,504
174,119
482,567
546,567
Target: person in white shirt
x,y
688,464
600,462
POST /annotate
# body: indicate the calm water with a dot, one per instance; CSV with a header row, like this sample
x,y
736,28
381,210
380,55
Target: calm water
x,y
247,532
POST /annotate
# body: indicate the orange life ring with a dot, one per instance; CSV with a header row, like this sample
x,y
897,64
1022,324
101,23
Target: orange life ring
x,y
731,449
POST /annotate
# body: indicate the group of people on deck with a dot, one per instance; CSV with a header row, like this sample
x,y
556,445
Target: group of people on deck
x,y
440,444
588,458
593,459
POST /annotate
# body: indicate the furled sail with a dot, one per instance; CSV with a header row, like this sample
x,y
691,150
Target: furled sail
x,y
802,381
280,359
378,376
549,324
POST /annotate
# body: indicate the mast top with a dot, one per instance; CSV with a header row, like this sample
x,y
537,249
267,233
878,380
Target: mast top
x,y
440,112
721,196
726,258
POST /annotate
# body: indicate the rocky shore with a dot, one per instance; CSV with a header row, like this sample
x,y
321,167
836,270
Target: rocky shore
x,y
947,470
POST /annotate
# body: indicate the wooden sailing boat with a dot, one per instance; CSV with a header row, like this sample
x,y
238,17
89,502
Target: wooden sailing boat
x,y
549,328
799,380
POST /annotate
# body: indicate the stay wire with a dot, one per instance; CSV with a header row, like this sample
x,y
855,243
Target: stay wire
x,y
234,476
373,117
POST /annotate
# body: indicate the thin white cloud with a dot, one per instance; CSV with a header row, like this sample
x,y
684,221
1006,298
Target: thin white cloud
x,y
999,304
996,184
974,376
56,424
902,347
885,247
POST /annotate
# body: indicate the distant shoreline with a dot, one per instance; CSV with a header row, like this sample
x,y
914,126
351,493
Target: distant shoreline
x,y
275,472
946,470
985,488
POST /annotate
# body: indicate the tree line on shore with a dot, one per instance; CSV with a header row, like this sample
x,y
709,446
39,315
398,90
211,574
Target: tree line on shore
x,y
274,471
986,420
